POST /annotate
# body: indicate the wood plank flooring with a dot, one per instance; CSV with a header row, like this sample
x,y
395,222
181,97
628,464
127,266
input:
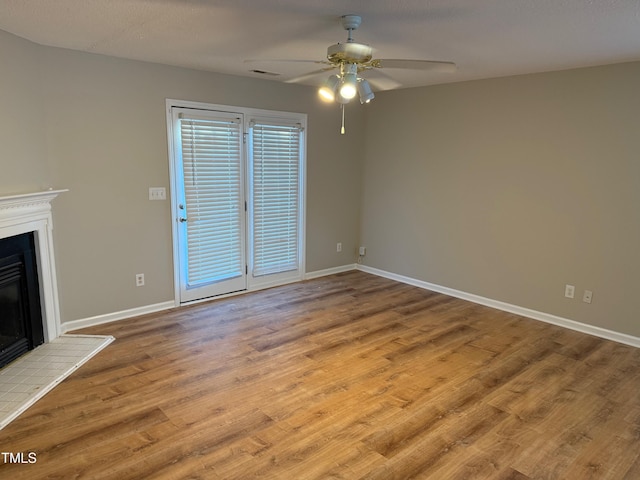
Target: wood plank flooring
x,y
350,376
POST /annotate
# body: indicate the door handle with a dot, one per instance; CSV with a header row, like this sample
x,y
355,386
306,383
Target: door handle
x,y
182,219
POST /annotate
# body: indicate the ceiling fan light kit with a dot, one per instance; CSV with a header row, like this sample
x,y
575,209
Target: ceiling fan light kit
x,y
348,87
328,90
364,91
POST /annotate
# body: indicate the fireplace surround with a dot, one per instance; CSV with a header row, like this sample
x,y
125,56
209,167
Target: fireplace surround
x,y
31,213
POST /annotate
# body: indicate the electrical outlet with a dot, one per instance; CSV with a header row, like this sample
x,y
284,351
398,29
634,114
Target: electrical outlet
x,y
586,298
362,251
569,291
139,279
339,247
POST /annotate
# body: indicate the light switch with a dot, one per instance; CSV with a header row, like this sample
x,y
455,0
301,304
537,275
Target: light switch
x,y
157,193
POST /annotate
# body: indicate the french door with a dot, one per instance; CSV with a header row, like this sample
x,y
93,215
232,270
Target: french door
x,y
210,203
237,199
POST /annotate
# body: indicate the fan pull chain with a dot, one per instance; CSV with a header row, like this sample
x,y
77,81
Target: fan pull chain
x,y
342,129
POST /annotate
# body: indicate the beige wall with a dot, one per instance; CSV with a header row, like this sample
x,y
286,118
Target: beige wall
x,y
510,188
506,188
98,128
22,131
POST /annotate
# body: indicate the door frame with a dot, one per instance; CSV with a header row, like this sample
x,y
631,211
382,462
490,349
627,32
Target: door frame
x,y
247,113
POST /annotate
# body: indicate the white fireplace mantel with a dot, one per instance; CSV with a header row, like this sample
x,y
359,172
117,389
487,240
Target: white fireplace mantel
x,y
31,212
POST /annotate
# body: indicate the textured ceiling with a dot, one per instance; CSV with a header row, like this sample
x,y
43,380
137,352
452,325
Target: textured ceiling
x,y
485,38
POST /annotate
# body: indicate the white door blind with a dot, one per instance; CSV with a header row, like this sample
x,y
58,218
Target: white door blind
x,y
275,166
211,150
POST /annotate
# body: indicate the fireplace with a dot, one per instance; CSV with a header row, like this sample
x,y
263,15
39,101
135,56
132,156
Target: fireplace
x,y
21,327
29,311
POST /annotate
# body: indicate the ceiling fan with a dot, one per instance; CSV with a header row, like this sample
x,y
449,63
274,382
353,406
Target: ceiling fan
x,y
352,59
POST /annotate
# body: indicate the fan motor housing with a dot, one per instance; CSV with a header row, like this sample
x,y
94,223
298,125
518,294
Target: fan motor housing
x,y
350,52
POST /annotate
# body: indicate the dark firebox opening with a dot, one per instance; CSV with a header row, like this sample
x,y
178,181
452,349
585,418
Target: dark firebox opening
x,y
21,327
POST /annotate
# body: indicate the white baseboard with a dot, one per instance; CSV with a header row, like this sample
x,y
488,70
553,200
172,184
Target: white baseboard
x,y
329,271
507,307
134,312
115,316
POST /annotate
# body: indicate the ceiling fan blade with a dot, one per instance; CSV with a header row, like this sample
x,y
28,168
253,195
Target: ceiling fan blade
x,y
284,60
380,81
432,65
310,75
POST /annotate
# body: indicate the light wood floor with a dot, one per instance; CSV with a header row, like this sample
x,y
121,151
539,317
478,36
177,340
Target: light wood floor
x,y
345,377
